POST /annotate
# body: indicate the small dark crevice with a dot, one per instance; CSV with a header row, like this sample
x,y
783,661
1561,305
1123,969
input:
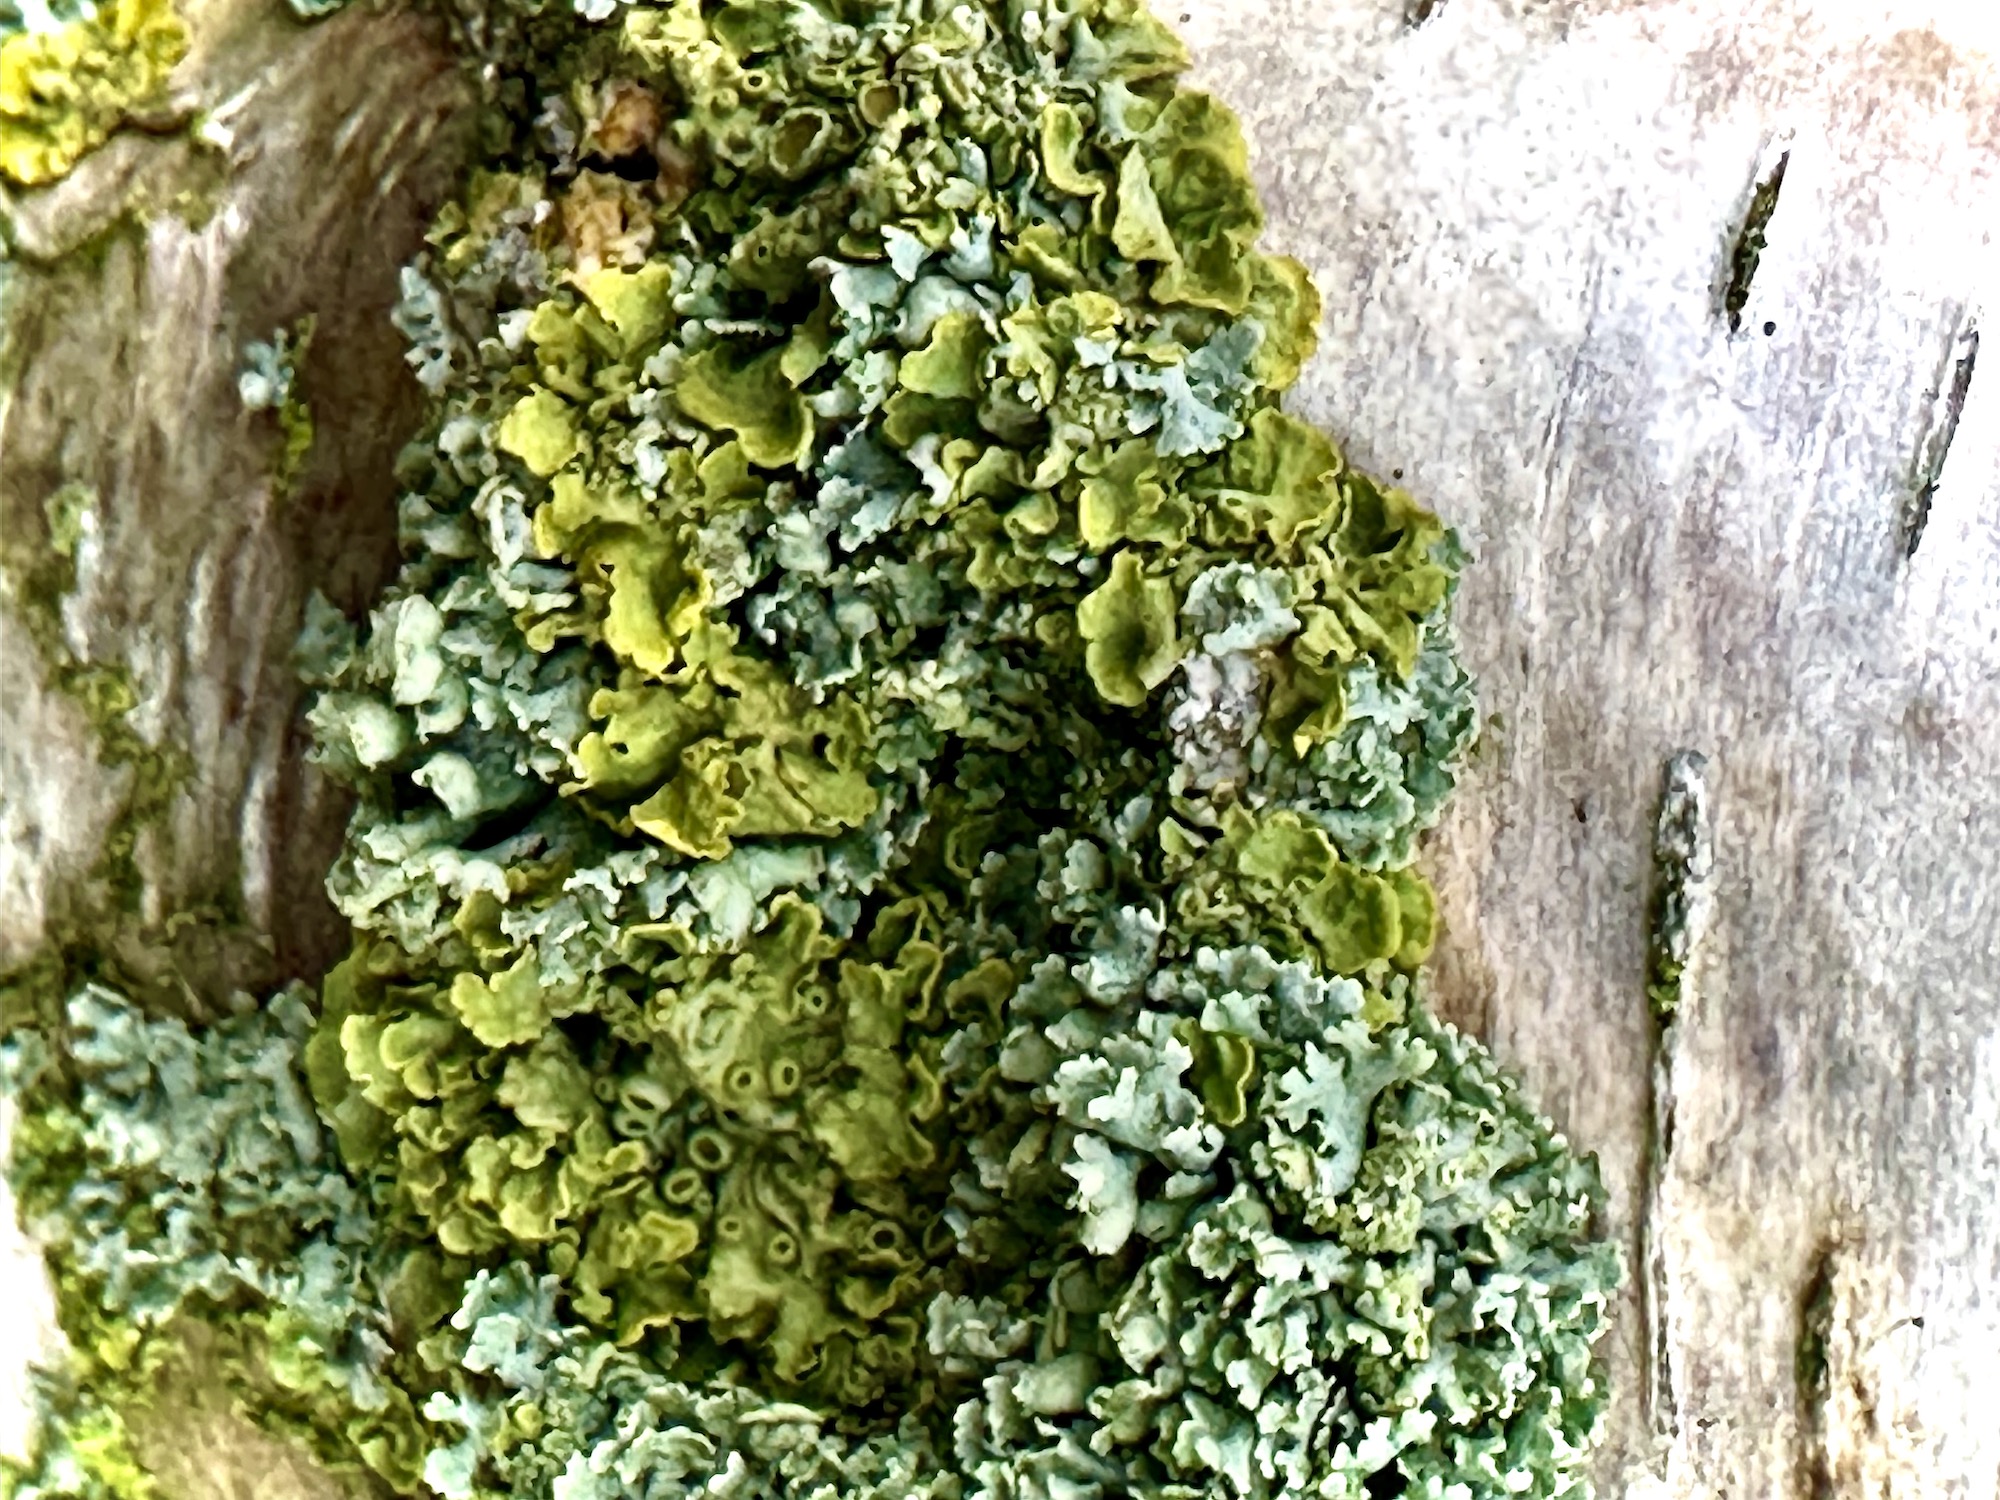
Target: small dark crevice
x,y
1661,1408
1417,12
1664,1127
1749,246
1683,868
1812,1369
1936,446
1677,916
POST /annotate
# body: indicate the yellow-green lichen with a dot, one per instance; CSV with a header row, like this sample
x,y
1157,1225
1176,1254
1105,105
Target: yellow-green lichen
x,y
63,91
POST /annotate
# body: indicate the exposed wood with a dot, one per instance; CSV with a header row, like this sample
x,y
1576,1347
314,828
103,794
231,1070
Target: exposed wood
x,y
1523,217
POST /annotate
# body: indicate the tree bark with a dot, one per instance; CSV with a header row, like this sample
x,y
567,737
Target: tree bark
x,y
1777,545
291,171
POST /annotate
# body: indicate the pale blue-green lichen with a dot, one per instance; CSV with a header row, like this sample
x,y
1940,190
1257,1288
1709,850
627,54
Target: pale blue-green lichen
x,y
269,382
886,959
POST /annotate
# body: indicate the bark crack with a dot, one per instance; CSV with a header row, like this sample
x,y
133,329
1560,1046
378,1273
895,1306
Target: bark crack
x,y
1683,868
1812,1371
1748,247
1940,429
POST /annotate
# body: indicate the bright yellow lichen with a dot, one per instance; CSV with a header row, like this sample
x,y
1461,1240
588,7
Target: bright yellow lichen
x,y
63,92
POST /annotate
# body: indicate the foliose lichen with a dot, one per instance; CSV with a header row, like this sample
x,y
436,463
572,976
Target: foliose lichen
x,y
269,382
886,959
66,86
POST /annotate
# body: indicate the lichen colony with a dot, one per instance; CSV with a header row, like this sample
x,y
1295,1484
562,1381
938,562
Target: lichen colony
x,y
885,946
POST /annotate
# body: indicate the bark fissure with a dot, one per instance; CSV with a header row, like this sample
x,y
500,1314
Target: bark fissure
x,y
1678,913
1940,431
1750,243
1812,1371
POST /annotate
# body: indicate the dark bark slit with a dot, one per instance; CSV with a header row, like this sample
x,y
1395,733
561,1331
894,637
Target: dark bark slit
x,y
1936,446
1683,869
1749,246
1811,1370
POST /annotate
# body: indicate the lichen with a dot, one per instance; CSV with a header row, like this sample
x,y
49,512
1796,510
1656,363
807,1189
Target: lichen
x,y
269,382
82,1449
886,958
63,90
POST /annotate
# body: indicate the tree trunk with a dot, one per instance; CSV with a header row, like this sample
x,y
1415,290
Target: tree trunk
x,y
1775,543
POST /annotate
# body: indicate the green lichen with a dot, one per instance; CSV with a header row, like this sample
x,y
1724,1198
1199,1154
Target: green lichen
x,y
82,1450
886,962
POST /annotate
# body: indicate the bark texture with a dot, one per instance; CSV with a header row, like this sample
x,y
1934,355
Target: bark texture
x,y
1778,546
290,173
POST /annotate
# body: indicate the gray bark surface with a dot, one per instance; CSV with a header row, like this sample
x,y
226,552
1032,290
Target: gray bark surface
x,y
1521,217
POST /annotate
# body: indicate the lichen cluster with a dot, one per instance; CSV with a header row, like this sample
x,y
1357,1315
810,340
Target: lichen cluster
x,y
64,88
886,954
